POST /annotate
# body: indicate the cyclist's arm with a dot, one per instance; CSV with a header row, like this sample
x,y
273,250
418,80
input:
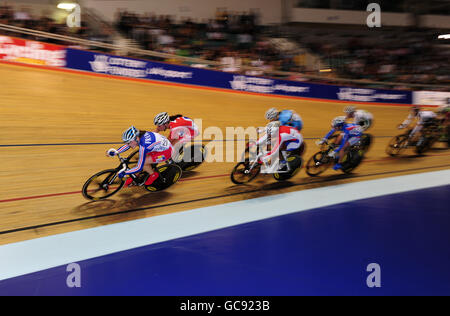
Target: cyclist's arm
x,y
123,149
408,120
140,164
330,134
262,140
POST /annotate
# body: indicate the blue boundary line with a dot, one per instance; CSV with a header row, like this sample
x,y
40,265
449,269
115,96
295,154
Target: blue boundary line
x,y
119,143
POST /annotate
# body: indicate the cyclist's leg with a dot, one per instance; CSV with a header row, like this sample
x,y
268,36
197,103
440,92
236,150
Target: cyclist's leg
x,y
288,146
415,133
343,152
351,142
339,139
155,158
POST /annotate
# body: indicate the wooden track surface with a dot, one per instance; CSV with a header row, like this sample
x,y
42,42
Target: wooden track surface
x,y
41,184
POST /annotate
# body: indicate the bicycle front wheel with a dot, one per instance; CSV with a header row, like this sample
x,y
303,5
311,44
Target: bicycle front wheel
x,y
102,185
318,164
397,145
242,174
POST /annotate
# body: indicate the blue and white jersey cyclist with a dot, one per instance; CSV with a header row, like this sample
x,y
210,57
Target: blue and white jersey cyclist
x,y
350,135
154,148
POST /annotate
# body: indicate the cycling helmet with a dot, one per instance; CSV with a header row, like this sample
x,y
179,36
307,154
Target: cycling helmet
x,y
350,109
161,119
338,122
272,114
130,134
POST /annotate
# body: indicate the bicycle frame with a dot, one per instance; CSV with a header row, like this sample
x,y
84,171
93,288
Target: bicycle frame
x,y
266,167
124,165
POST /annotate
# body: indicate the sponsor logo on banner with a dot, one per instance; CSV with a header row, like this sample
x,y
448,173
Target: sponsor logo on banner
x,y
132,68
263,85
431,98
367,95
103,63
31,52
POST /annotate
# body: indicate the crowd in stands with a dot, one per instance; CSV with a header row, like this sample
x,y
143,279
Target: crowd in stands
x,y
235,41
405,56
24,17
232,41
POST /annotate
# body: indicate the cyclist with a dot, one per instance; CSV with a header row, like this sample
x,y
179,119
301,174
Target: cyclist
x,y
350,136
153,149
424,119
443,115
182,129
360,117
283,140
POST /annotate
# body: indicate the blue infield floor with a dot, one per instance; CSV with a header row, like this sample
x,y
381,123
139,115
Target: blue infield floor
x,y
323,251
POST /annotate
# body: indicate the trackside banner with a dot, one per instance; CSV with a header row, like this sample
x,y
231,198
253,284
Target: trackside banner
x,y
142,69
31,52
431,98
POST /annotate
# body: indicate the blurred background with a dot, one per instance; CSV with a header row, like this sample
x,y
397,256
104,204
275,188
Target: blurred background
x,y
325,41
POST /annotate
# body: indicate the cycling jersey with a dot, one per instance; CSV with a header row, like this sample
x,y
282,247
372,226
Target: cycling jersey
x,y
422,116
287,135
152,144
290,118
352,134
363,118
183,128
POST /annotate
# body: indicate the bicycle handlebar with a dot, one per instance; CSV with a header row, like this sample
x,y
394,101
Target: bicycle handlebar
x,y
122,161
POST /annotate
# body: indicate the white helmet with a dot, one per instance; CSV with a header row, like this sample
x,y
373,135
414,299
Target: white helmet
x,y
272,114
338,122
161,119
350,109
130,134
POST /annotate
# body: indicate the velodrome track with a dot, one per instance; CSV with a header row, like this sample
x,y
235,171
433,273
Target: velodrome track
x,y
57,126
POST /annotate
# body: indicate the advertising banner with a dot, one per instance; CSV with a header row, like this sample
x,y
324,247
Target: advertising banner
x,y
142,69
431,98
31,52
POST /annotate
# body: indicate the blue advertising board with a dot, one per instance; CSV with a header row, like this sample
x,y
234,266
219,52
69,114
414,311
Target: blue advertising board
x,y
142,69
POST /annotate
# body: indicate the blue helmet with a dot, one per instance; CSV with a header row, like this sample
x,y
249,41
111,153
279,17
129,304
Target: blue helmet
x,y
130,134
285,116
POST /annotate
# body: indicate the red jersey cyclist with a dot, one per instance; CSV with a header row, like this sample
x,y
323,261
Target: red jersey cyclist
x,y
182,129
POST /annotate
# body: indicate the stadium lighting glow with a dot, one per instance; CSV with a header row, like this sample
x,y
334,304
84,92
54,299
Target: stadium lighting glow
x,y
67,6
446,36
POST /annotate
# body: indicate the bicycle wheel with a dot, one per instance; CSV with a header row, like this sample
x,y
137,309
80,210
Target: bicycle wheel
x,y
397,145
241,173
169,174
424,144
352,161
318,164
295,163
366,142
197,157
102,185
